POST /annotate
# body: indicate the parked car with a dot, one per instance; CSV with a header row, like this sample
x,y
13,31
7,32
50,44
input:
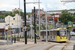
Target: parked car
x,y
72,33
37,35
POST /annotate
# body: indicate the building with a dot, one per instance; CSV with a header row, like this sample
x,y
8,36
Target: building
x,y
60,11
37,12
14,22
16,9
55,17
37,15
2,25
1,13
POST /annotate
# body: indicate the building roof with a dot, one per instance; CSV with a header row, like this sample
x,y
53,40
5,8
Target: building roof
x,y
61,10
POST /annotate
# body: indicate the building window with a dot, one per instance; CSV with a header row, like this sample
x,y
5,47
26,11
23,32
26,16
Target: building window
x,y
13,18
12,23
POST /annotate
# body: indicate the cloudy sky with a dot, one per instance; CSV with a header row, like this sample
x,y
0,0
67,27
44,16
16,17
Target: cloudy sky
x,y
47,5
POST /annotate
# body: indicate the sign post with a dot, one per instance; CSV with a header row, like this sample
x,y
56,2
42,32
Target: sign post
x,y
69,24
6,28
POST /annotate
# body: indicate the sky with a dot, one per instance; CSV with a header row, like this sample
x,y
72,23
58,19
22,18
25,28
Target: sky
x,y
46,5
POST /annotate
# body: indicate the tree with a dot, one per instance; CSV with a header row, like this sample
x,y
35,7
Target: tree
x,y
52,14
73,18
65,17
21,13
2,16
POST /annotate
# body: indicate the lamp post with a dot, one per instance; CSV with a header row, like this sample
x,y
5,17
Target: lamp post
x,y
34,24
25,18
25,21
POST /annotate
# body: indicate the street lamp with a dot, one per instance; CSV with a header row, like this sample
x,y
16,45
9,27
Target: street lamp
x,y
25,21
25,18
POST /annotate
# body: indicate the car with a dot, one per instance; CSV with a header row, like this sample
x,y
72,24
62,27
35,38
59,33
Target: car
x,y
72,33
37,35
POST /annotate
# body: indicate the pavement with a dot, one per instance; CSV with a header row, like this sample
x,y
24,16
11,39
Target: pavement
x,y
38,46
5,46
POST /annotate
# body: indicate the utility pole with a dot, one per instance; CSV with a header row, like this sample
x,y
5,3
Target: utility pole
x,y
19,19
39,15
46,28
25,21
31,28
34,24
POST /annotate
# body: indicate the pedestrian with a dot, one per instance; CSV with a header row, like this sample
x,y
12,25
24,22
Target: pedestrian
x,y
12,40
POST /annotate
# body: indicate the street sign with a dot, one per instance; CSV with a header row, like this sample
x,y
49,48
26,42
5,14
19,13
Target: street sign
x,y
31,25
6,27
9,29
9,36
69,22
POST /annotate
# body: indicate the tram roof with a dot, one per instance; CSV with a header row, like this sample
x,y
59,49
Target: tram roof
x,y
49,30
53,29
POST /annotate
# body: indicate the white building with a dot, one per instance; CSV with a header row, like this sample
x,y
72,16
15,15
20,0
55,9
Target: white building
x,y
14,22
2,24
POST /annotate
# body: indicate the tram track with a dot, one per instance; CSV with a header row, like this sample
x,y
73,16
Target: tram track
x,y
24,46
51,46
21,47
16,47
35,46
65,46
30,47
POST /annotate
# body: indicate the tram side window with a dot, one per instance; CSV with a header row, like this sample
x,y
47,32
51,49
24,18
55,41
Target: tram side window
x,y
58,33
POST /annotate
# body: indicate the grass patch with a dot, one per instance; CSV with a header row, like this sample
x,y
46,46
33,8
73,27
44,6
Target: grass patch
x,y
50,27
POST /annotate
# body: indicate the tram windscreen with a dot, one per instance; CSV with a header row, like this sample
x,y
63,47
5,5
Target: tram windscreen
x,y
63,33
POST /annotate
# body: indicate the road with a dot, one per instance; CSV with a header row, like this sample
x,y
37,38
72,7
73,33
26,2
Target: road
x,y
72,38
41,46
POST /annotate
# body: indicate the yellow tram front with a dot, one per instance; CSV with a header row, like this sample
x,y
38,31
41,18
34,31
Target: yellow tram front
x,y
62,35
58,35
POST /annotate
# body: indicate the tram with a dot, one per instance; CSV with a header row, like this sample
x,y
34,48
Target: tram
x,y
58,35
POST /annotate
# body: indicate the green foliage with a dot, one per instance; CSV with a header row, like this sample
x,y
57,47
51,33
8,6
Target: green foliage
x,y
29,14
65,17
2,16
7,13
52,14
50,27
1,37
43,27
70,28
16,12
27,25
38,27
73,18
21,37
21,13
43,15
